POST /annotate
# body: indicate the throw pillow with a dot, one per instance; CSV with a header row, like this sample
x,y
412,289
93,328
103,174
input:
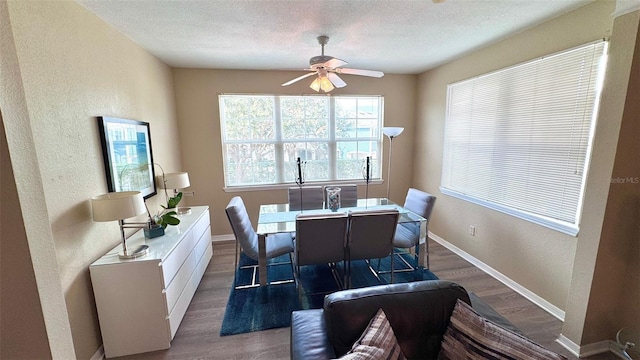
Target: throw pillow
x,y
470,336
377,342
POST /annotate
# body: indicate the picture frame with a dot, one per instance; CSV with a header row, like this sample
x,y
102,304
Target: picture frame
x,y
127,155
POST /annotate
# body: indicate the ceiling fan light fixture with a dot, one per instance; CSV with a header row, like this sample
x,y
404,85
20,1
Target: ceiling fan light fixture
x,y
325,84
315,85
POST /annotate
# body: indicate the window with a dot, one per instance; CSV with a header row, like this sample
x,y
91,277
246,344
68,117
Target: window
x,y
263,135
518,140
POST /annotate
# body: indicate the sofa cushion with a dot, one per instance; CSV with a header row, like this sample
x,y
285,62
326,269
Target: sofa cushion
x,y
377,342
470,336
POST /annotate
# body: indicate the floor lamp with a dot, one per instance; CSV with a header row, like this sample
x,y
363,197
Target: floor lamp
x,y
391,133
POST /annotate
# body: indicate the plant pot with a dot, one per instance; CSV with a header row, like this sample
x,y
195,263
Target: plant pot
x,y
153,231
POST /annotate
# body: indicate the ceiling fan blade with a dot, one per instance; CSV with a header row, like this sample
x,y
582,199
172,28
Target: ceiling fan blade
x,y
334,63
336,81
299,78
372,73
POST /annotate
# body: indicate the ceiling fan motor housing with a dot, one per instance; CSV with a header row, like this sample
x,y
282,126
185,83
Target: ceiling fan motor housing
x,y
320,59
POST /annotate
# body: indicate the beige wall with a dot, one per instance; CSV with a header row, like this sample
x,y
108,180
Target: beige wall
x,y
198,114
73,67
538,258
605,288
22,329
31,233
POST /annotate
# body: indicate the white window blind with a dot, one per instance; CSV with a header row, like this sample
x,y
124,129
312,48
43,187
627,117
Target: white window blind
x,y
517,140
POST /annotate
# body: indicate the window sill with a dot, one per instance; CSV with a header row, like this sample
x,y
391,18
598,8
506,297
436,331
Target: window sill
x,y
561,226
232,189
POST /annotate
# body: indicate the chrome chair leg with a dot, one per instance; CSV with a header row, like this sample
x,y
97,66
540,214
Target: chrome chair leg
x,y
292,268
426,248
373,271
392,266
336,276
348,275
235,260
254,274
408,266
296,275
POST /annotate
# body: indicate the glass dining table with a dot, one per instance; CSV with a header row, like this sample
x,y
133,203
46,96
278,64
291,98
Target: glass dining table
x,y
276,218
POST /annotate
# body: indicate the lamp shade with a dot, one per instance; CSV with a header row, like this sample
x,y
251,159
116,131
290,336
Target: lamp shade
x,y
392,131
325,84
315,85
117,206
179,180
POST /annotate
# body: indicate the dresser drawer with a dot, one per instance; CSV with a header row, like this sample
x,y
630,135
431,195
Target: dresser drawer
x,y
174,261
202,225
203,243
179,282
175,318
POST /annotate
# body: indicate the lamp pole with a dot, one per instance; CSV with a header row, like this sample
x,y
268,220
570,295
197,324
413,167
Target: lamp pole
x,y
389,166
391,132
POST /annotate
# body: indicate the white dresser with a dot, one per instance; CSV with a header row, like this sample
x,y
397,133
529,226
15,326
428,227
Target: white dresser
x,y
142,301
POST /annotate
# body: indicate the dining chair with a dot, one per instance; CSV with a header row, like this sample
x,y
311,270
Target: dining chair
x,y
247,239
408,234
370,236
310,198
321,239
348,194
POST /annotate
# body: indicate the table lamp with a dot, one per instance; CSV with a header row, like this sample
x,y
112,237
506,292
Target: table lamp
x,y
391,132
175,181
119,206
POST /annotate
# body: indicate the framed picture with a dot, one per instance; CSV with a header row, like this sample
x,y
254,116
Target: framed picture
x,y
127,155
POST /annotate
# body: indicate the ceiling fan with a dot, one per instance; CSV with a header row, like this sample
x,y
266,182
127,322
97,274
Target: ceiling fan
x,y
327,69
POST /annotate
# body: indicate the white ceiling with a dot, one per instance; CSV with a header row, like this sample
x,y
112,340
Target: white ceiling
x,y
394,36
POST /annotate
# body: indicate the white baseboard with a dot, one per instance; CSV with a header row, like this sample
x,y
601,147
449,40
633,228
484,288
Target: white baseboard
x,y
569,345
220,238
530,295
99,355
588,349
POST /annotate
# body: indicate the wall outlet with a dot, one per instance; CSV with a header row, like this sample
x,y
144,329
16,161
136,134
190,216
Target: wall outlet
x,y
188,193
472,230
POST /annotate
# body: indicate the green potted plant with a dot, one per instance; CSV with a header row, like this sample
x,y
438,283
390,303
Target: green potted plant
x,y
164,218
169,215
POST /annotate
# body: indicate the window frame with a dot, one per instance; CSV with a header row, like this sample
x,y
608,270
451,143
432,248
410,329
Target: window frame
x,y
495,202
279,143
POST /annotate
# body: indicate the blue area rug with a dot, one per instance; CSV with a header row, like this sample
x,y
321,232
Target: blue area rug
x,y
270,307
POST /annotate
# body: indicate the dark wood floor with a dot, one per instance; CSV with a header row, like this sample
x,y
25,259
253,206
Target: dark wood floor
x,y
198,335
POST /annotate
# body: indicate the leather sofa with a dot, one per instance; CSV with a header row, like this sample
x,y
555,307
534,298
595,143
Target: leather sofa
x,y
418,313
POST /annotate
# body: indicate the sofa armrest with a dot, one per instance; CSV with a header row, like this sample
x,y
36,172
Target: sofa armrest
x,y
309,338
418,313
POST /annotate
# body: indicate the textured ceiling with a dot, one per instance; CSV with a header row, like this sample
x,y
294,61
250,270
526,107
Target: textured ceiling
x,y
394,36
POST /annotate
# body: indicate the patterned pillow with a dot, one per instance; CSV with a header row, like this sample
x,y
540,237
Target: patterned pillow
x,y
377,342
470,336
